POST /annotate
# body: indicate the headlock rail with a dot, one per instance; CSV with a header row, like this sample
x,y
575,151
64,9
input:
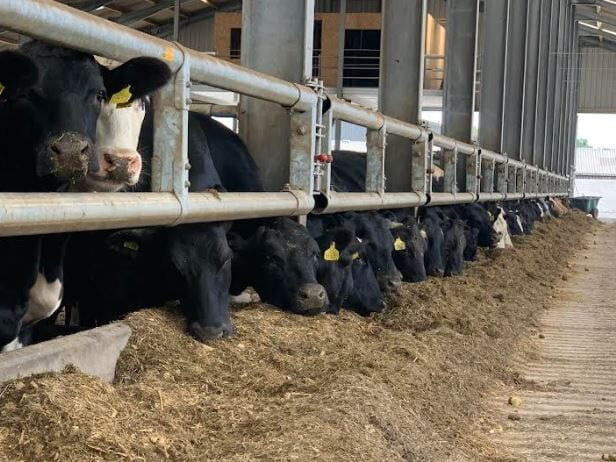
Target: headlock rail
x,y
489,176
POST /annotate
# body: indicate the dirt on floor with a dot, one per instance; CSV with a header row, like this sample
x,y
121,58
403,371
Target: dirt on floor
x,y
404,385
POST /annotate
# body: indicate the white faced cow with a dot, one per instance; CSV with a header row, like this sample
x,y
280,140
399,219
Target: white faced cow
x,y
502,231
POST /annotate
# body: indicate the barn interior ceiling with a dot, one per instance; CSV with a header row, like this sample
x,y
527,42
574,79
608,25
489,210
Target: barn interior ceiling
x,y
154,17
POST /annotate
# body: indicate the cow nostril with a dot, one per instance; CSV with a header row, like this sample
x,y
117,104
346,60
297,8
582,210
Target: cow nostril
x,y
56,149
85,150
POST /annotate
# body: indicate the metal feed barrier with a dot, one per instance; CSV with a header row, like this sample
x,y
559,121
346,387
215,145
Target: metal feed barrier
x,y
170,202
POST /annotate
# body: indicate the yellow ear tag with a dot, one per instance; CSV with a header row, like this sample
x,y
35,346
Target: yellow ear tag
x,y
399,244
131,245
122,97
423,234
332,253
355,256
2,87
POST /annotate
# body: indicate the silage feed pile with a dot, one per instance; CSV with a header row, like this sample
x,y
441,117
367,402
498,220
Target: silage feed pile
x,y
405,385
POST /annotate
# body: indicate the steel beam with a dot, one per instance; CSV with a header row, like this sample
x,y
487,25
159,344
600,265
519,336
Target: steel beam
x,y
558,87
493,75
531,77
460,68
515,78
401,80
276,41
340,63
139,15
542,83
460,76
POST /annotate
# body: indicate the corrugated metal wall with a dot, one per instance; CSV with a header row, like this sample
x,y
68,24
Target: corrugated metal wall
x,y
598,81
199,36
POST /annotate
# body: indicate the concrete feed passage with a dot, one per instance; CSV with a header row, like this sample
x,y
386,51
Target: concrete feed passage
x,y
568,410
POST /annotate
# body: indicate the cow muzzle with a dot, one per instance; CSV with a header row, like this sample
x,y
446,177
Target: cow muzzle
x,y
70,155
390,285
311,299
121,166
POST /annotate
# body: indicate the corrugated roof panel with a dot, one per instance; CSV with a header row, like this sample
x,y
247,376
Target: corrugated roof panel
x,y
595,161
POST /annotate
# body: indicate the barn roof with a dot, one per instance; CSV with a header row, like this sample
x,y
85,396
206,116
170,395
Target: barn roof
x,y
595,162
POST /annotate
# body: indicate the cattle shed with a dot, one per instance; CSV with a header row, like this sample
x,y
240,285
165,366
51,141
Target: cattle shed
x,y
470,103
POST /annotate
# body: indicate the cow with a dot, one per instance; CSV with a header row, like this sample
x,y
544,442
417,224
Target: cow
x,y
48,120
430,222
410,245
499,223
454,244
350,283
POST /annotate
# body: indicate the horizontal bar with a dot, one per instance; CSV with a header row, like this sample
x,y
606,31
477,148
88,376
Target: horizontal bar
x,y
34,213
58,23
341,202
449,199
358,115
216,110
491,197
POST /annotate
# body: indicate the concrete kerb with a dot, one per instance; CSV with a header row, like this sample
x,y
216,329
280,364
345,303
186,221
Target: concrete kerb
x,y
93,352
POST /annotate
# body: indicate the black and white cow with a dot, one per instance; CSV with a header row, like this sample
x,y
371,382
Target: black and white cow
x,y
48,114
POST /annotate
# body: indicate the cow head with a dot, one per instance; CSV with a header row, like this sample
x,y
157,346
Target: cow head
x,y
52,123
280,260
433,258
499,224
477,217
200,268
455,242
366,296
410,244
120,121
339,247
372,229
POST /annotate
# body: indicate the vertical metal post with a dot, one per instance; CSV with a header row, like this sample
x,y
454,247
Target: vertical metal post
x,y
493,74
565,90
375,160
520,180
511,178
558,87
277,40
515,78
450,162
542,83
531,75
402,72
460,74
421,166
577,60
170,160
487,176
502,178
340,70
176,21
326,148
548,147
473,171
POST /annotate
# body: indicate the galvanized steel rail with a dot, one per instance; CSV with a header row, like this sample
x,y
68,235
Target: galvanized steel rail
x,y
32,213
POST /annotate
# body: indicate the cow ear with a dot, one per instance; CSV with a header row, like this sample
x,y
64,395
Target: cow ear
x,y
135,79
18,73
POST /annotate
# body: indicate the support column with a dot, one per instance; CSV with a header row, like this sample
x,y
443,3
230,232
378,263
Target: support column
x,y
542,83
554,30
401,81
276,40
558,87
493,75
531,75
515,78
460,76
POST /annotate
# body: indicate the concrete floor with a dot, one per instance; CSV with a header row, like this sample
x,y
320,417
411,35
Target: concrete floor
x,y
569,407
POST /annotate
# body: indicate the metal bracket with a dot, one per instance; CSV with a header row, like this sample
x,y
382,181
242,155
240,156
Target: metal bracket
x,y
450,161
421,162
502,176
473,169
